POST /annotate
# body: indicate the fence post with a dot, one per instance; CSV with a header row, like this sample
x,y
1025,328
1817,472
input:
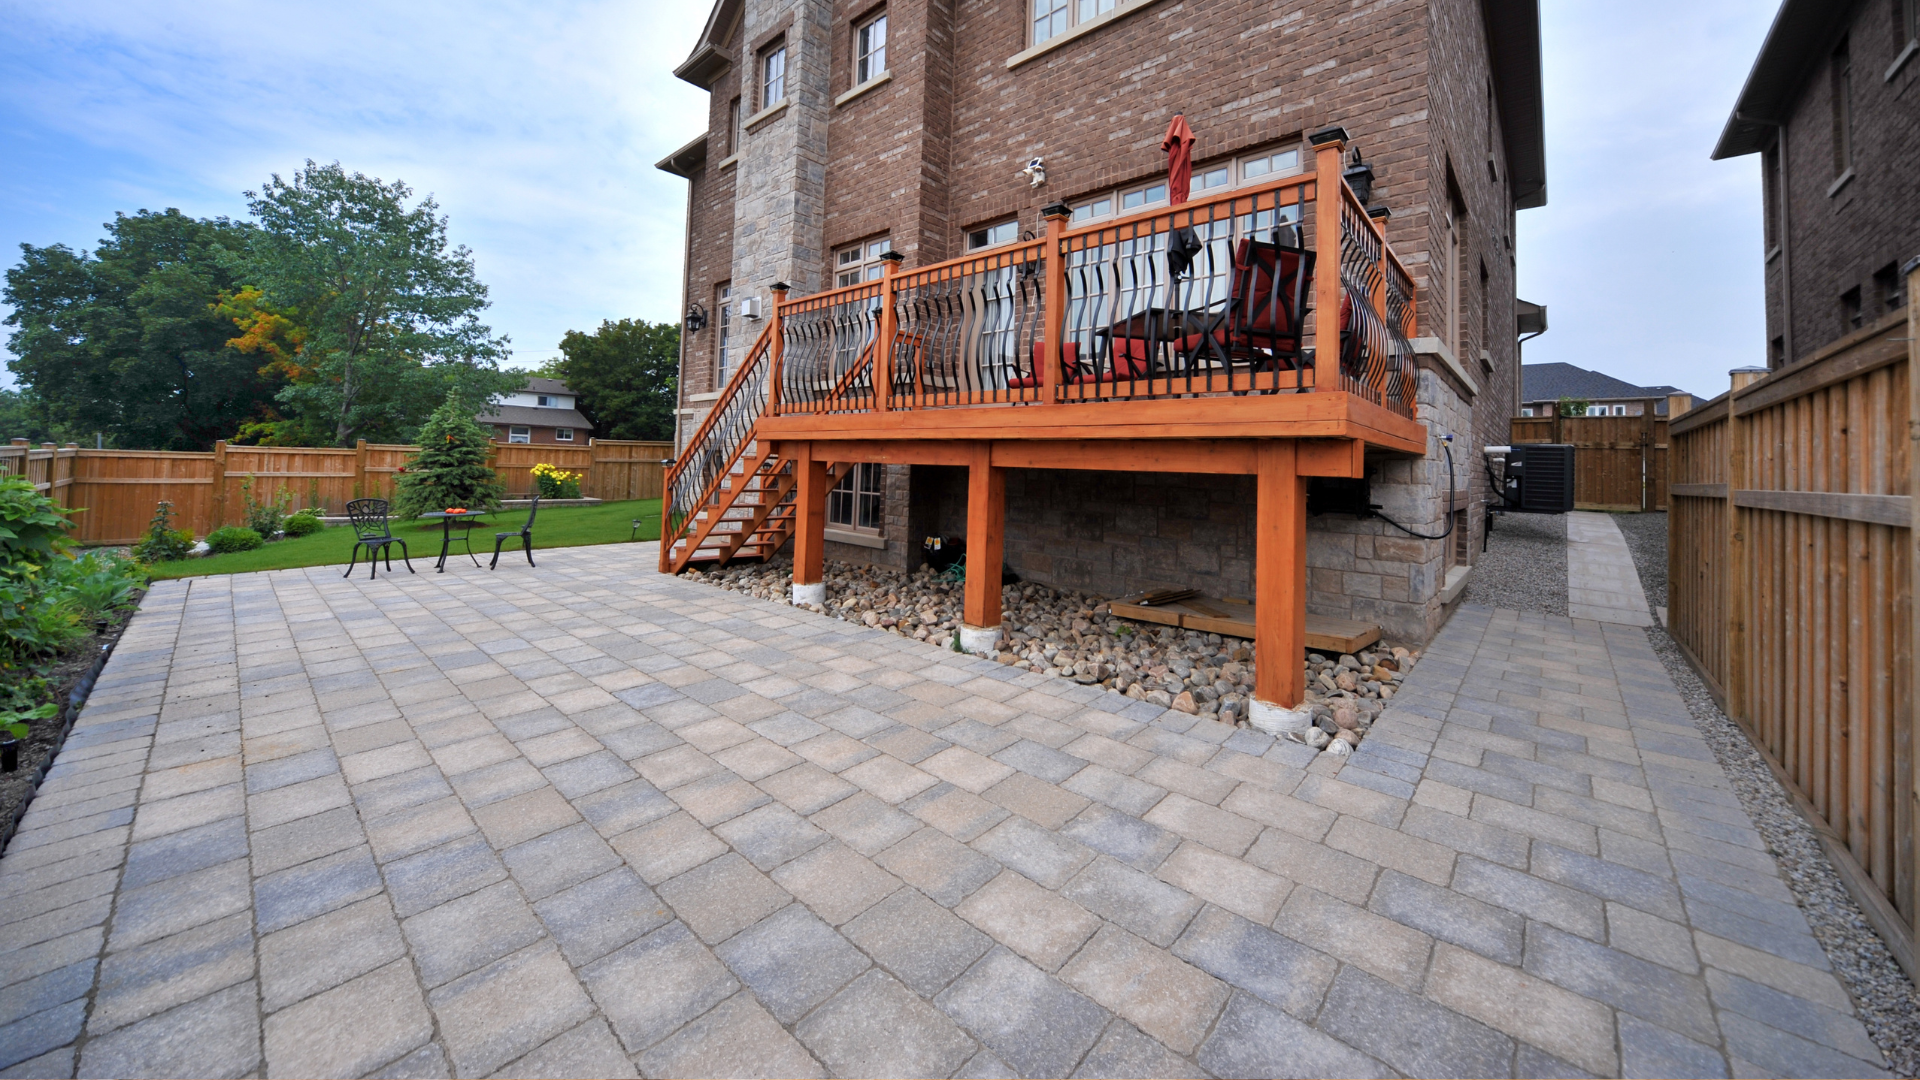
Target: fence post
x,y
218,514
360,469
775,346
1328,211
1906,799
1737,554
1053,304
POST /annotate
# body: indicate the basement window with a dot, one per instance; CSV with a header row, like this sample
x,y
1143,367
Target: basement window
x,y
855,503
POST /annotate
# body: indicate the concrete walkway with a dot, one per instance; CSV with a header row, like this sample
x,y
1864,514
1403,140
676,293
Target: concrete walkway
x,y
586,820
1602,583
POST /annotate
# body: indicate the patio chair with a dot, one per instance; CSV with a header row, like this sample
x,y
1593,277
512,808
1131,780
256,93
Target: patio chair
x,y
525,534
1261,321
371,531
1131,360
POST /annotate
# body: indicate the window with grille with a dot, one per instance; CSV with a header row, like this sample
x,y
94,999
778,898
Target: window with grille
x,y
733,127
870,49
1051,18
859,262
1005,232
773,76
563,434
856,502
519,435
723,327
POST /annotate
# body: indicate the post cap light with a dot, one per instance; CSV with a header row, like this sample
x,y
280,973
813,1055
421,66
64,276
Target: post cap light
x,y
1324,136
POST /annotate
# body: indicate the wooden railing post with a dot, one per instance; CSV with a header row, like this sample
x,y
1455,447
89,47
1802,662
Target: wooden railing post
x,y
774,348
360,469
1328,145
1053,303
884,334
218,516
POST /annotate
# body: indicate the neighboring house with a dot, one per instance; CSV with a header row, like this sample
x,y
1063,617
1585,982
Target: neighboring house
x,y
544,411
840,137
1832,108
1544,386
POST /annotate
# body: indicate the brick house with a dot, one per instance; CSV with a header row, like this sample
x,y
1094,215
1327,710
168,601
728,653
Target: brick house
x,y
1830,108
1544,386
543,411
843,137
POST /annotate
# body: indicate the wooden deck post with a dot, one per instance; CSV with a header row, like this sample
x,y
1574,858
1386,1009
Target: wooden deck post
x,y
986,544
885,333
810,524
1053,303
774,349
1328,210
1280,578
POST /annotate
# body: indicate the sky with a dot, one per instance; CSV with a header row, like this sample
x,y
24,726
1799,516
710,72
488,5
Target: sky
x,y
536,126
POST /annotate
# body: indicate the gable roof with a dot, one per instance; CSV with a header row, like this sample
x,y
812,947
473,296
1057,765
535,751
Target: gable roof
x,y
531,416
546,386
710,60
1551,382
1801,33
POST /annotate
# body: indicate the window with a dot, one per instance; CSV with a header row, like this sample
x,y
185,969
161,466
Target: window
x,y
544,401
1777,352
1217,176
859,263
855,502
1212,177
1451,286
773,76
1051,18
1770,194
1619,410
1850,314
733,127
1005,232
1889,289
1840,82
1268,166
723,323
1152,193
1526,410
870,49
519,435
563,434
1596,410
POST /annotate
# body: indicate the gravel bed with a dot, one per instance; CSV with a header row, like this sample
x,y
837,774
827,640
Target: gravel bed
x,y
1525,565
1070,635
1519,570
1647,540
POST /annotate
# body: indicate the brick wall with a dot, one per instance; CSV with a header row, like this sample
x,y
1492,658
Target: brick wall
x,y
1837,240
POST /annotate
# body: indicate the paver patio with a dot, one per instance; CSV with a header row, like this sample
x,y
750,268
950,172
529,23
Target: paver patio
x,y
588,820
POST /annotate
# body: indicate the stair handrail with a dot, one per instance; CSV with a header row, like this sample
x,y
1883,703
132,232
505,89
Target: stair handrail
x,y
732,419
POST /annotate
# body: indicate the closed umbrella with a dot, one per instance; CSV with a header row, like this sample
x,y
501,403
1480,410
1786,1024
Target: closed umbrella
x,y
1179,147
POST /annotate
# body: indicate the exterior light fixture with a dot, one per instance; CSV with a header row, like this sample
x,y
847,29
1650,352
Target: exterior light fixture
x,y
1035,172
1359,177
696,319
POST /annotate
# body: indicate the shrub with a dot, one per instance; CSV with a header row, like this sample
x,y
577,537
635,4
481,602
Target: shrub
x,y
233,538
263,516
97,582
163,542
304,523
34,622
556,483
451,468
33,528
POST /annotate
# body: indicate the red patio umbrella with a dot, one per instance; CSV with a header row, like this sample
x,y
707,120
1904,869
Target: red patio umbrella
x,y
1179,147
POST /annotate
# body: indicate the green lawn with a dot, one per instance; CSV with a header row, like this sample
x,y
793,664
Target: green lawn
x,y
568,526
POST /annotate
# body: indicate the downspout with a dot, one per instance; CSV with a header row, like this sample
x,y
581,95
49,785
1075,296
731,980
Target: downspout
x,y
686,300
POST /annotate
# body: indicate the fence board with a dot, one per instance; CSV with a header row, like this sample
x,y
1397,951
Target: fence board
x,y
1790,589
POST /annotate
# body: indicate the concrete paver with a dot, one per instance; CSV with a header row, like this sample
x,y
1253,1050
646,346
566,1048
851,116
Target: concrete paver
x,y
589,820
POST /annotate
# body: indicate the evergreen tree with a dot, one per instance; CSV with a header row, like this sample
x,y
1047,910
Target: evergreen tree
x,y
451,468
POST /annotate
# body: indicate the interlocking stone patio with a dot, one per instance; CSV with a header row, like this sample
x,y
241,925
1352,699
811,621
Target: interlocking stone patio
x,y
588,820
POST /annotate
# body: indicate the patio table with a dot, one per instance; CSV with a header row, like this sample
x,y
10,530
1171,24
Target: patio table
x,y
1166,326
446,533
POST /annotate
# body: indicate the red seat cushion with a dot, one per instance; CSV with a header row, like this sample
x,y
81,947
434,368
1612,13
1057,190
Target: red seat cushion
x,y
1069,365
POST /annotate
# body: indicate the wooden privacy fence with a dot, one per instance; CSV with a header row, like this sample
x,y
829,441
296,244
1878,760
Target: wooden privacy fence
x,y
118,489
1619,462
1791,574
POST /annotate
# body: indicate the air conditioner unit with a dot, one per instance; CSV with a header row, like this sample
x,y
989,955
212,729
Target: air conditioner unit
x,y
1539,478
753,307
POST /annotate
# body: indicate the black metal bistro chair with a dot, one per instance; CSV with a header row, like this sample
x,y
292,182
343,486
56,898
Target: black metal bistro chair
x,y
525,534
371,531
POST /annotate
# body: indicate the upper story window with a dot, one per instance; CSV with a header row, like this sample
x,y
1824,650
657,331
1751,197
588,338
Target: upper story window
x,y
1207,178
1889,285
545,401
1266,166
870,49
860,262
1006,232
733,127
773,76
723,325
1051,18
1851,316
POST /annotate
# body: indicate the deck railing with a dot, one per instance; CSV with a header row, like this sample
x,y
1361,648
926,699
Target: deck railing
x,y
723,438
1140,301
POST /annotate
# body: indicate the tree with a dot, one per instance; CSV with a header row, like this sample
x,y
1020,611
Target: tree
x,y
1570,406
126,341
390,312
451,468
625,374
21,417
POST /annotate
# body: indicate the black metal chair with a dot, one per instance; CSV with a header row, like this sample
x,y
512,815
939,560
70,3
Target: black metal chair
x,y
525,534
371,531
